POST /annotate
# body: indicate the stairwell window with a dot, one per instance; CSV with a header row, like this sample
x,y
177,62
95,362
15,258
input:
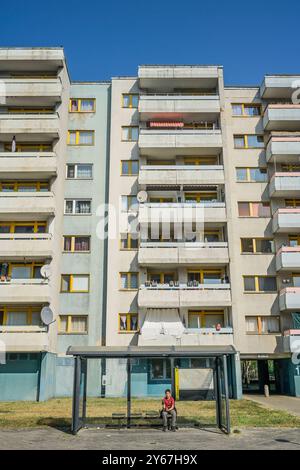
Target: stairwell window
x,y
129,281
81,137
260,283
80,171
205,319
129,203
130,133
261,325
248,141
129,242
72,324
246,110
129,167
254,209
128,322
72,283
78,207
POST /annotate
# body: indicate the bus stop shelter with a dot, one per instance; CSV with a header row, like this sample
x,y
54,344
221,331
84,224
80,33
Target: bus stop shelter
x,y
219,356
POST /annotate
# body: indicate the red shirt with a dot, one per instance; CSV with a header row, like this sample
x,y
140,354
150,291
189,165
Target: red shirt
x,y
169,402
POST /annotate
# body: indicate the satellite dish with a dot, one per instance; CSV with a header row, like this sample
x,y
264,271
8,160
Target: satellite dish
x,y
142,196
47,315
46,271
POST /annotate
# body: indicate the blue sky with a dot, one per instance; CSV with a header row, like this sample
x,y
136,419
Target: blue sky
x,y
110,38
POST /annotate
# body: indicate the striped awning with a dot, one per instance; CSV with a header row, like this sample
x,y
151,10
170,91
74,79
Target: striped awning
x,y
166,124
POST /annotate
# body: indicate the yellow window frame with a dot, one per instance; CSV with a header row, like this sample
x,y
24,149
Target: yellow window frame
x,y
16,185
73,239
128,318
69,330
79,110
202,273
254,240
131,96
294,202
71,290
77,137
129,274
248,173
256,282
13,225
247,105
213,232
210,160
201,196
24,147
32,266
160,200
259,320
162,276
29,310
161,162
246,142
294,238
130,129
203,313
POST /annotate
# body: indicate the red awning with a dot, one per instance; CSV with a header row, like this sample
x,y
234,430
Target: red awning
x,y
166,124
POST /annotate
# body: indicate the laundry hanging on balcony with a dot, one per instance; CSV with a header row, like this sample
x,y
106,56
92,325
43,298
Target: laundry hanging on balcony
x,y
161,325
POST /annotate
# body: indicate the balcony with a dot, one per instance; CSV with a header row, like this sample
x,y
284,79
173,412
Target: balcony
x,y
181,174
27,164
289,298
156,105
208,212
160,142
26,291
204,295
24,338
286,221
284,184
25,245
284,148
185,253
288,258
37,204
291,341
279,86
32,91
282,117
24,126
178,76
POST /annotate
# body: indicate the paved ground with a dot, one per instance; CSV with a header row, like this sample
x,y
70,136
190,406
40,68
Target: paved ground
x,y
278,402
150,439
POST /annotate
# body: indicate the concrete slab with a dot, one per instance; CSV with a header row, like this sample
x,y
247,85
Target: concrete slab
x,y
278,402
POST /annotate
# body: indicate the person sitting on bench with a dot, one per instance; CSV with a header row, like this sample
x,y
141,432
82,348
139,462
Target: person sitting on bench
x,y
168,411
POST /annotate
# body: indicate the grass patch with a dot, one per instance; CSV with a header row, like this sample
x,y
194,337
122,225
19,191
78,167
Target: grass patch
x,y
57,412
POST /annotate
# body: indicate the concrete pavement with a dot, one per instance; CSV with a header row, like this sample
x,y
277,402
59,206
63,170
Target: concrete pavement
x,y
278,402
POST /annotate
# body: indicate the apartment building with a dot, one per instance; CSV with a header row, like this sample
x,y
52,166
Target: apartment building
x,y
193,151
33,135
203,235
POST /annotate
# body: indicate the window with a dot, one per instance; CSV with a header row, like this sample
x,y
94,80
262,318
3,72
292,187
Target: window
x,y
262,324
128,322
257,245
130,100
205,319
72,324
254,209
20,316
75,206
212,236
248,141
80,171
162,278
130,133
77,243
129,167
246,110
21,270
23,227
81,138
260,284
25,147
75,283
82,105
253,175
129,242
290,167
201,196
210,160
160,369
129,203
129,280
292,203
28,186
